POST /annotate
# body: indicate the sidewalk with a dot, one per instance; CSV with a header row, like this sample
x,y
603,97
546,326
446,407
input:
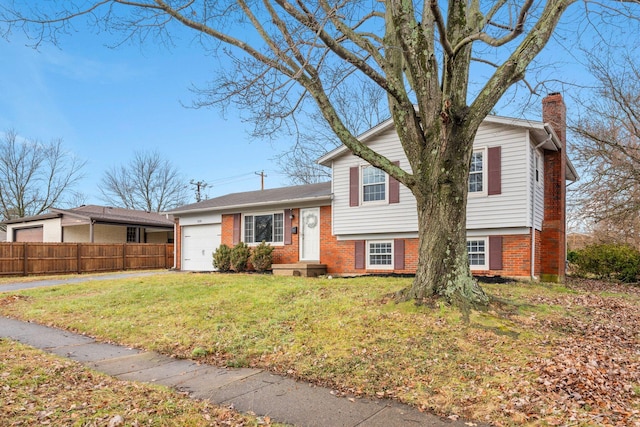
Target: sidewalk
x,y
248,390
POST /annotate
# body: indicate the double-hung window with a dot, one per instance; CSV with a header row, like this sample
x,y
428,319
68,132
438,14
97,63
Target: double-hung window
x,y
477,251
374,183
379,254
476,173
267,228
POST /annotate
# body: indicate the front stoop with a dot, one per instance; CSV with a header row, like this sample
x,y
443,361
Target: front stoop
x,y
302,269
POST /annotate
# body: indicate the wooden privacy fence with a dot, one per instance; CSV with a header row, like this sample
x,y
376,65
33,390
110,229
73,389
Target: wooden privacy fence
x,y
59,258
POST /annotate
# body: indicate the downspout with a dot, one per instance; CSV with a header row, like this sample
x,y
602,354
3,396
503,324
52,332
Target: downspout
x,y
91,222
533,213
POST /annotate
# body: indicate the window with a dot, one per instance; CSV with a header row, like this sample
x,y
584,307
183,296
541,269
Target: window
x,y
373,184
477,251
268,228
476,173
132,234
380,255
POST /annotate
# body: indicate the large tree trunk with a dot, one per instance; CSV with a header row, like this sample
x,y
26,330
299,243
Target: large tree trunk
x,y
443,266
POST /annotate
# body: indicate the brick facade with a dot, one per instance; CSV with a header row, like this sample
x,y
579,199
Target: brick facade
x,y
553,246
339,255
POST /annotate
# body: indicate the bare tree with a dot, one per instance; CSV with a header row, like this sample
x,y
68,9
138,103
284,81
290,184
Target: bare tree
x,y
314,137
281,54
148,182
35,176
608,151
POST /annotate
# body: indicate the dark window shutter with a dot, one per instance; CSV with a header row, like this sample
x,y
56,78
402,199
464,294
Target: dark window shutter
x,y
360,254
354,186
237,218
398,254
287,226
394,188
495,171
495,252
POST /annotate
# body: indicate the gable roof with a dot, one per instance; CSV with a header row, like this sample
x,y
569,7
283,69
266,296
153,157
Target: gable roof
x,y
543,133
118,215
294,194
104,214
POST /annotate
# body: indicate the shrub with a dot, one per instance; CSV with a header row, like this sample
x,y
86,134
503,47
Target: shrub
x,y
607,261
240,257
261,258
222,258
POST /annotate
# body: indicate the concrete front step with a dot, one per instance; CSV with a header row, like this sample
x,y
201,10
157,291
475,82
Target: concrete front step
x,y
302,269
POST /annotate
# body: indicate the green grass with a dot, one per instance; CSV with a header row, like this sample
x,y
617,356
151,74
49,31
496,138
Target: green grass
x,y
344,333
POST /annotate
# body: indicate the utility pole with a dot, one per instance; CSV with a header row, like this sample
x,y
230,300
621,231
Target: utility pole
x,y
200,186
262,176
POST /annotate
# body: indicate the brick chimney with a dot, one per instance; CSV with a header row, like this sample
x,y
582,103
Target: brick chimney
x,y
553,236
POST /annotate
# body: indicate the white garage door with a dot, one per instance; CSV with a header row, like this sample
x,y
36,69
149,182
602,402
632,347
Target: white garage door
x,y
198,244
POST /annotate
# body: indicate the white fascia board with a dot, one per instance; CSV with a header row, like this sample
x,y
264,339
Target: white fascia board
x,y
363,137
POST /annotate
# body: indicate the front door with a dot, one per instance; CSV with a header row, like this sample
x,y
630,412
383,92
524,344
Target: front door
x,y
310,234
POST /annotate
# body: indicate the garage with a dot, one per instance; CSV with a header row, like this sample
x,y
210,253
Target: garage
x,y
198,244
31,234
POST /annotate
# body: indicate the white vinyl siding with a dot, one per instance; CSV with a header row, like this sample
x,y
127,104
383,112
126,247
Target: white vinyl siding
x,y
538,188
511,208
372,217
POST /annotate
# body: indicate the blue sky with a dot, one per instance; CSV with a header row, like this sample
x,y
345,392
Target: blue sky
x,y
107,103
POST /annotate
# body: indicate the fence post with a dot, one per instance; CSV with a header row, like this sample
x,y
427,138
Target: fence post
x,y
79,259
166,249
124,256
25,261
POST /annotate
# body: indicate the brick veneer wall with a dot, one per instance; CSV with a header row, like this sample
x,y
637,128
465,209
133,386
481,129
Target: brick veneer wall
x,y
339,256
553,239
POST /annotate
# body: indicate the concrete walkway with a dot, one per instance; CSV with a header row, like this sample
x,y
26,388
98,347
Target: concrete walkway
x,y
248,390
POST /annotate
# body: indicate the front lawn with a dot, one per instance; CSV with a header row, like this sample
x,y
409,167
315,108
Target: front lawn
x,y
554,355
42,389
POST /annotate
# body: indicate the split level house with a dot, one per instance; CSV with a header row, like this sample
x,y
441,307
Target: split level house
x,y
92,224
363,222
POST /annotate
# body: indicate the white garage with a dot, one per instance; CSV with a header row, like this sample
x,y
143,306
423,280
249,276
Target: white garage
x,y
198,244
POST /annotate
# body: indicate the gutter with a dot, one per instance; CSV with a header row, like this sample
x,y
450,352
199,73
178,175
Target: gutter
x,y
261,204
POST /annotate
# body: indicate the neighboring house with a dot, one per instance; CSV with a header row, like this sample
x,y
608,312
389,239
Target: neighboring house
x,y
363,222
93,224
3,236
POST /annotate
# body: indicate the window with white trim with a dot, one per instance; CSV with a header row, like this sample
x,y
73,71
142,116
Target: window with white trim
x,y
476,172
380,255
374,184
478,254
267,228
